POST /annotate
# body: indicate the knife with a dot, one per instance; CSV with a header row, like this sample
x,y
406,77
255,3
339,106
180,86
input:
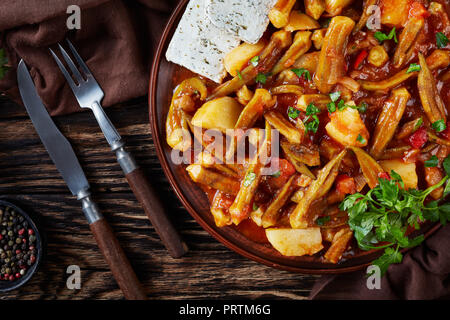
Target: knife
x,y
89,95
67,163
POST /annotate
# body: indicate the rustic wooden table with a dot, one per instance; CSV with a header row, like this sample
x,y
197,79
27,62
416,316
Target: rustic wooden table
x,y
29,179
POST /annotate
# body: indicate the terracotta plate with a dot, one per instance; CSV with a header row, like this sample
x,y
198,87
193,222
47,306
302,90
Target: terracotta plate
x,y
162,81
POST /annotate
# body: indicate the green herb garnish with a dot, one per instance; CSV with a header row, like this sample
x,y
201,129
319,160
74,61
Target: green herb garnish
x,y
254,61
439,125
362,107
380,36
441,40
384,214
311,123
361,139
261,78
334,96
239,75
341,105
293,113
312,109
418,124
255,207
413,67
432,162
331,107
302,71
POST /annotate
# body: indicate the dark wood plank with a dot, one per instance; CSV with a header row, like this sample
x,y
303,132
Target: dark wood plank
x,y
29,178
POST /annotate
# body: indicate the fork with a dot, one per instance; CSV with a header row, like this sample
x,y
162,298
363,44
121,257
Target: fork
x,y
89,95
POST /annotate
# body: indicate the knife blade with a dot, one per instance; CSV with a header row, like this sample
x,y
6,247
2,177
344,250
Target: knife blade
x,y
67,163
57,146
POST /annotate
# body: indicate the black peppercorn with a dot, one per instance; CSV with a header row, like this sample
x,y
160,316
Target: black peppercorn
x,y
17,245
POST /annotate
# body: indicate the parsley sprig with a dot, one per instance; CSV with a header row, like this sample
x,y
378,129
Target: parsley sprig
x,y
312,120
380,36
381,217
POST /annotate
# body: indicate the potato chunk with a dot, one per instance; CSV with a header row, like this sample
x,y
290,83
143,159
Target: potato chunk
x,y
221,114
295,242
237,58
406,170
347,128
394,13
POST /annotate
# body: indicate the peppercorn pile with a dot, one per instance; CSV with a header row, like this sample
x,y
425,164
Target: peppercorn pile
x,y
17,245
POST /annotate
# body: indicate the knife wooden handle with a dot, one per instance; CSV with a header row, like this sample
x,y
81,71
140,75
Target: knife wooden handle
x,y
117,261
147,197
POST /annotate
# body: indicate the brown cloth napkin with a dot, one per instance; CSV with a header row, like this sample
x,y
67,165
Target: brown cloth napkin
x,y
116,40
423,274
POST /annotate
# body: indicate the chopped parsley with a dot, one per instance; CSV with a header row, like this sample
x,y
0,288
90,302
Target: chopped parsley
x,y
254,61
312,123
312,109
361,139
362,107
441,40
239,75
255,207
432,162
331,107
335,95
293,113
381,217
439,125
261,78
312,120
302,71
418,124
341,105
380,36
249,178
413,67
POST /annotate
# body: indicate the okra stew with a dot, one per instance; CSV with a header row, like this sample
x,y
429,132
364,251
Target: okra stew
x,y
358,94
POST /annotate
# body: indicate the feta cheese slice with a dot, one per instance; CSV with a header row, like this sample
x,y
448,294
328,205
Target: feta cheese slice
x,y
247,20
199,45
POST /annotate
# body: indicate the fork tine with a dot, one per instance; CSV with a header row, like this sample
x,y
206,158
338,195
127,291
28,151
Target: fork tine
x,y
80,61
71,65
64,71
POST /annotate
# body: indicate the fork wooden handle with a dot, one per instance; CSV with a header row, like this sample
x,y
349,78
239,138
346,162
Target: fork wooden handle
x,y
147,197
117,261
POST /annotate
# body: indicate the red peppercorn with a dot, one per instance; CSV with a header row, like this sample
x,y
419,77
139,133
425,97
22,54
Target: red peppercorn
x,y
24,240
1,237
31,247
11,278
18,251
30,231
6,276
17,275
32,259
